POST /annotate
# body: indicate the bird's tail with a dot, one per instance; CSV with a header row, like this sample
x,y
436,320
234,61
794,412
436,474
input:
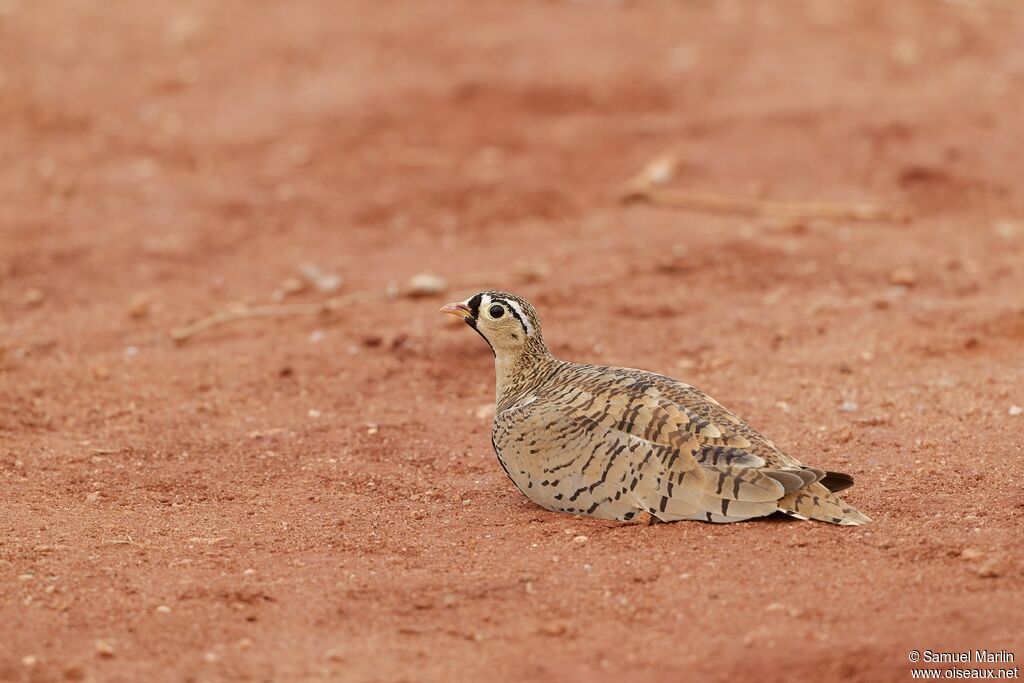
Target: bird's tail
x,y
817,502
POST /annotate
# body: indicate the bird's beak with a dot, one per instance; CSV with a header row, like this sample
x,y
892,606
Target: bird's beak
x,y
459,309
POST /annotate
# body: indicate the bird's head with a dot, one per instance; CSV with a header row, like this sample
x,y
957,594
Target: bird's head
x,y
507,322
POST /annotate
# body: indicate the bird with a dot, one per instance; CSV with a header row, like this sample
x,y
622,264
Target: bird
x,y
631,445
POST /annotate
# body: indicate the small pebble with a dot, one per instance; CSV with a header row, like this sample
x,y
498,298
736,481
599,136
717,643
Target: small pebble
x,y
163,609
1007,229
848,407
903,277
325,282
580,540
104,648
29,660
74,673
1014,411
426,285
139,305
988,570
553,629
33,297
293,285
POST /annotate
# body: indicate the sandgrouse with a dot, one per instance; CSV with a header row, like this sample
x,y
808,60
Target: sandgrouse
x,y
616,443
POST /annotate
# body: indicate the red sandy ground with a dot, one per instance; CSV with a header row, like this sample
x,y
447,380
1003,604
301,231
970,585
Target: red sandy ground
x,y
226,509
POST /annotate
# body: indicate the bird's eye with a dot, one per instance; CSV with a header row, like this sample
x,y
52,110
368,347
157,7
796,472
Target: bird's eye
x,y
496,311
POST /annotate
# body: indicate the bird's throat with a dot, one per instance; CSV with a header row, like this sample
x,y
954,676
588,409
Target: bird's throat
x,y
515,373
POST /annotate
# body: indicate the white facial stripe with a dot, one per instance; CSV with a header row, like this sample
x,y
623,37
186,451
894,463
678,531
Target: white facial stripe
x,y
522,316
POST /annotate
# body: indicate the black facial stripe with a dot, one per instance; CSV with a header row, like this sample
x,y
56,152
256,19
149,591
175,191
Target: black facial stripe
x,y
474,305
472,323
514,312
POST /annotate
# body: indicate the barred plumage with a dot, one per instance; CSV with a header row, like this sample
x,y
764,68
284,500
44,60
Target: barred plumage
x,y
615,442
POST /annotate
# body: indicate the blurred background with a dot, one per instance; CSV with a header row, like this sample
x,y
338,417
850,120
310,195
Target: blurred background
x,y
811,209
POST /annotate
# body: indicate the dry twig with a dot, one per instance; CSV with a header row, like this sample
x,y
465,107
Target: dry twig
x,y
660,170
767,208
419,286
181,334
127,540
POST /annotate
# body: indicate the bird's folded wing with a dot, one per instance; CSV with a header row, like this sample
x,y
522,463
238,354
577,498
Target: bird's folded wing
x,y
649,451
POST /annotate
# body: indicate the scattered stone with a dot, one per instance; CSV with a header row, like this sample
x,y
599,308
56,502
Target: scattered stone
x,y
1014,411
971,554
74,673
249,572
645,518
314,413
485,411
988,569
426,285
139,305
554,628
29,660
848,407
163,609
33,297
658,171
244,643
1007,229
92,497
334,655
104,648
580,540
903,277
289,287
324,282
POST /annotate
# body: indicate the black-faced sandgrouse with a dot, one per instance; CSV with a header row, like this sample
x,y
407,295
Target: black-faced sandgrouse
x,y
616,443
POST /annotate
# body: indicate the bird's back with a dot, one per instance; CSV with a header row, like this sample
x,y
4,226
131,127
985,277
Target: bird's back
x,y
614,442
